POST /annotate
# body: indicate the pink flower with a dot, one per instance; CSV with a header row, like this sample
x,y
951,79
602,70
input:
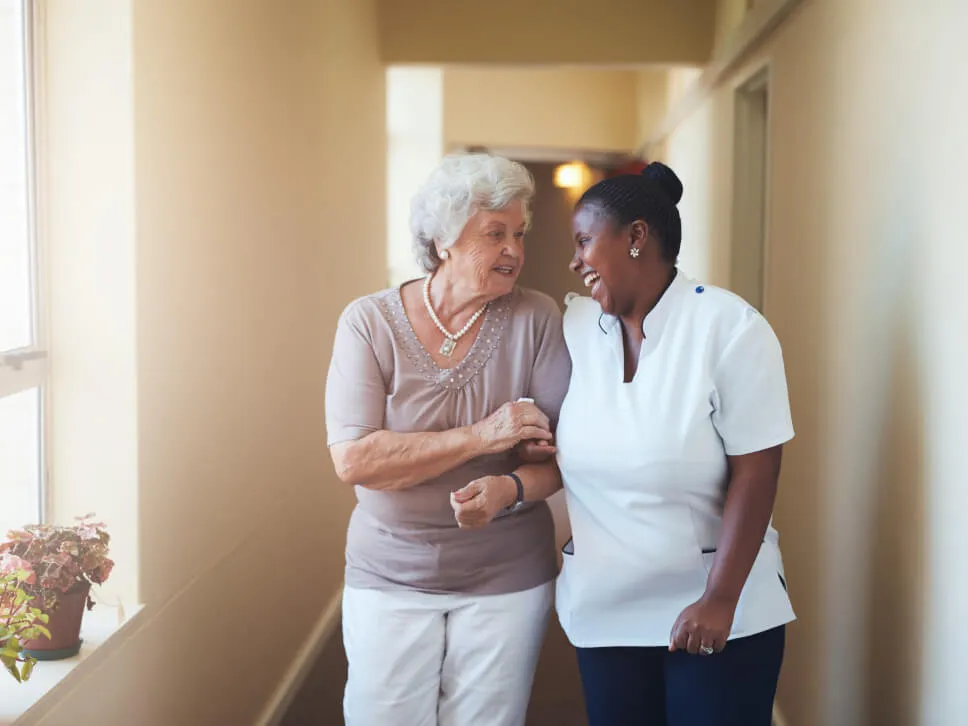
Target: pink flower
x,y
87,533
103,573
60,558
11,564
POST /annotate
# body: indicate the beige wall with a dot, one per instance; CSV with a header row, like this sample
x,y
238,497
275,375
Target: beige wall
x,y
657,90
546,31
557,108
244,223
864,289
652,89
729,14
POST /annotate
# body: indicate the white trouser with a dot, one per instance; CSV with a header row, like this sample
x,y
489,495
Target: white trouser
x,y
417,659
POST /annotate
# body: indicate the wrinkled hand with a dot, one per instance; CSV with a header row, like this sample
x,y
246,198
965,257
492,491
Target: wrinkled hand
x,y
511,424
704,623
478,503
535,452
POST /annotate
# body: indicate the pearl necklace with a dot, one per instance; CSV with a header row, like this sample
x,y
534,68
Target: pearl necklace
x,y
450,339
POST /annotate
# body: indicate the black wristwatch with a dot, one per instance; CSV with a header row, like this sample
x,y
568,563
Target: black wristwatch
x,y
519,499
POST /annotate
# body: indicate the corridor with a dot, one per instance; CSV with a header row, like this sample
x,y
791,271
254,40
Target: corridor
x,y
200,187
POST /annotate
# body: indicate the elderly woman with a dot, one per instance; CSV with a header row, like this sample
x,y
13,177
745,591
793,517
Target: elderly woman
x,y
669,444
441,404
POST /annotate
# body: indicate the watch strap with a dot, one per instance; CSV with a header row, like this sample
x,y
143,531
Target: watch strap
x,y
519,499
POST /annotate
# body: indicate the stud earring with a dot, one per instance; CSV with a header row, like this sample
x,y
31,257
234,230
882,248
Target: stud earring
x,y
634,252
444,254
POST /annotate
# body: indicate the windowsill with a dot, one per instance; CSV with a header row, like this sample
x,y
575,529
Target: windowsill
x,y
99,626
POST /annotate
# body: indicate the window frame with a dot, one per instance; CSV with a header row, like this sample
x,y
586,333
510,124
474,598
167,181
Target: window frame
x,y
28,367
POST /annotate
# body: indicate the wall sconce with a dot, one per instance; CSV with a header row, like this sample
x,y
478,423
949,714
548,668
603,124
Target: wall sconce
x,y
574,175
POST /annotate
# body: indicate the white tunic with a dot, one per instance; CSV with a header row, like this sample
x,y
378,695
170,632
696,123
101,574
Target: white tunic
x,y
645,469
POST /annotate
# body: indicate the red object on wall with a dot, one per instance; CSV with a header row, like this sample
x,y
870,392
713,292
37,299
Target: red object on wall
x,y
635,166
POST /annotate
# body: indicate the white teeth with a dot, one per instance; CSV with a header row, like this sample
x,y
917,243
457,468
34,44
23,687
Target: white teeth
x,y
591,278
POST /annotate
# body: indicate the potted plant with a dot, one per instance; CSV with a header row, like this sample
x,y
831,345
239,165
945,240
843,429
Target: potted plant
x,y
66,561
20,622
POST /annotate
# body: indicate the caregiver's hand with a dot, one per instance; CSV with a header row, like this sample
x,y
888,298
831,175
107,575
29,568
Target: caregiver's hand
x,y
704,626
535,452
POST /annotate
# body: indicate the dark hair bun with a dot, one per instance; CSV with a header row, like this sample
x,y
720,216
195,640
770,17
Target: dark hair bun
x,y
665,178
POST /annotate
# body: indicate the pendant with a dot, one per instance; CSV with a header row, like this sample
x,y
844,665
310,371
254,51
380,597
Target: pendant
x,y
447,347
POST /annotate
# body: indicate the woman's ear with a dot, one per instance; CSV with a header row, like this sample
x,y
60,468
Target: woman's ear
x,y
638,234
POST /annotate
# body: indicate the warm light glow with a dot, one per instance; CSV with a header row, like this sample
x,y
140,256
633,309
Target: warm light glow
x,y
571,176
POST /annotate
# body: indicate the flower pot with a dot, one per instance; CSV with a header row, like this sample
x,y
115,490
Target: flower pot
x,y
64,626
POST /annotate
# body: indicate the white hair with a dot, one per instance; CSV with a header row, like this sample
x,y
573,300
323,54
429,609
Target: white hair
x,y
459,187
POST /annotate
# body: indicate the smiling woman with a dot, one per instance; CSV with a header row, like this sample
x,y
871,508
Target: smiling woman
x,y
670,444
450,550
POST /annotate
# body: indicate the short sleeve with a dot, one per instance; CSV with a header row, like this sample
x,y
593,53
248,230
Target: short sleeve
x,y
751,402
552,366
355,388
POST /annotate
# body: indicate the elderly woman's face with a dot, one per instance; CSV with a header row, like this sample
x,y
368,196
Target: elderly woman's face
x,y
490,251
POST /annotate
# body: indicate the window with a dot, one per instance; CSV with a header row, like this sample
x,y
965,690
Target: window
x,y
414,123
23,358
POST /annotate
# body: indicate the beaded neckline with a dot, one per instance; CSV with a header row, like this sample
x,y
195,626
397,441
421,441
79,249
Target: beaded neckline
x,y
492,328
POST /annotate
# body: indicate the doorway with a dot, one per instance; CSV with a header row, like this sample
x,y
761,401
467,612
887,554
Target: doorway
x,y
748,250
549,246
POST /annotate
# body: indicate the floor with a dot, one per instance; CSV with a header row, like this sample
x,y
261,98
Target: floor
x,y
556,698
319,701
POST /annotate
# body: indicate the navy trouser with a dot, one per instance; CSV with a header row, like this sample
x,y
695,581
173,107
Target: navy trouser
x,y
653,687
